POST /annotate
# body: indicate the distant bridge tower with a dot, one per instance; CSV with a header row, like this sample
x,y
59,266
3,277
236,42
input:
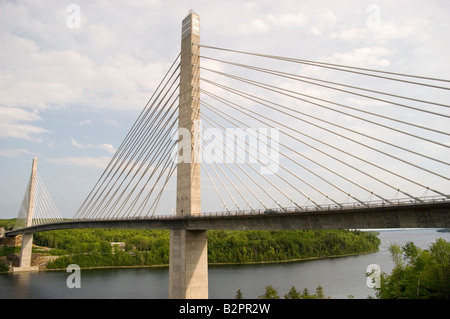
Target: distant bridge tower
x,y
188,267
27,238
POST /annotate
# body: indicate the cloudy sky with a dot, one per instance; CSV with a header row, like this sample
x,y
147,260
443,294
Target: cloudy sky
x,y
75,75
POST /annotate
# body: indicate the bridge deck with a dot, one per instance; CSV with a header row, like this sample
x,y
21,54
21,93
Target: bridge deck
x,y
417,215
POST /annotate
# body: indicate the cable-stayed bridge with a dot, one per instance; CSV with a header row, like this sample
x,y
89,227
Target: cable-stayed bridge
x,y
241,140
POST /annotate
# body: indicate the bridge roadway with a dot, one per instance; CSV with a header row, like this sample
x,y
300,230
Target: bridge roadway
x,y
434,214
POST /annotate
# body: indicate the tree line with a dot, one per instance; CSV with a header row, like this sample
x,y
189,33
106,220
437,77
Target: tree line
x,y
272,293
92,247
417,273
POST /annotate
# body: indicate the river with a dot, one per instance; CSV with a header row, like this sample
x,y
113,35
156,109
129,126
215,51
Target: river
x,y
340,278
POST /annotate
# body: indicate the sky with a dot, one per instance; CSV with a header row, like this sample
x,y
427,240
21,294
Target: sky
x,y
75,75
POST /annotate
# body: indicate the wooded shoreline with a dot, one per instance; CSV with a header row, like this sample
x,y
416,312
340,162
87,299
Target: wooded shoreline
x,y
123,248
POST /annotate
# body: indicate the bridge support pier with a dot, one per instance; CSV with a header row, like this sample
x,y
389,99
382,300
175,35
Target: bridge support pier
x,y
25,253
188,269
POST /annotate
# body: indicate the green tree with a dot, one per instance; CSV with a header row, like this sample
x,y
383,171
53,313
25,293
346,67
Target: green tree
x,y
305,294
410,252
396,255
271,293
292,294
440,252
3,266
319,292
239,294
417,273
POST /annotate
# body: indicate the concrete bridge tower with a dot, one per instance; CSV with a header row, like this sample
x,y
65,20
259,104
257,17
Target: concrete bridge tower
x,y
27,238
188,266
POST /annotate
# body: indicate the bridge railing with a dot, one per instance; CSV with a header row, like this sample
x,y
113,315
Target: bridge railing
x,y
287,210
329,207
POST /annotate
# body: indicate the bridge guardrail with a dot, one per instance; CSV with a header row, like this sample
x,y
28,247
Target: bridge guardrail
x,y
329,207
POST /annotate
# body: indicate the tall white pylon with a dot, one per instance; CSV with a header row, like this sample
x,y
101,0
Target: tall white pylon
x,y
37,208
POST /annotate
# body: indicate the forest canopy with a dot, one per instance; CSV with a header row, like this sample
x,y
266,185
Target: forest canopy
x,y
92,247
418,273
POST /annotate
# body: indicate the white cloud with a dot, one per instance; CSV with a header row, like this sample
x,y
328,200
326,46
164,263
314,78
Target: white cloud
x,y
107,147
104,146
14,153
288,20
76,144
412,30
39,79
101,36
39,75
85,122
12,123
349,34
254,27
314,20
111,122
375,56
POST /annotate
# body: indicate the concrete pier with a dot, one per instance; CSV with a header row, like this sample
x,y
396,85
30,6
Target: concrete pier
x,y
188,264
188,273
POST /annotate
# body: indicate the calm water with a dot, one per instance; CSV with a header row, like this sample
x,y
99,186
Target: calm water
x,y
340,277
